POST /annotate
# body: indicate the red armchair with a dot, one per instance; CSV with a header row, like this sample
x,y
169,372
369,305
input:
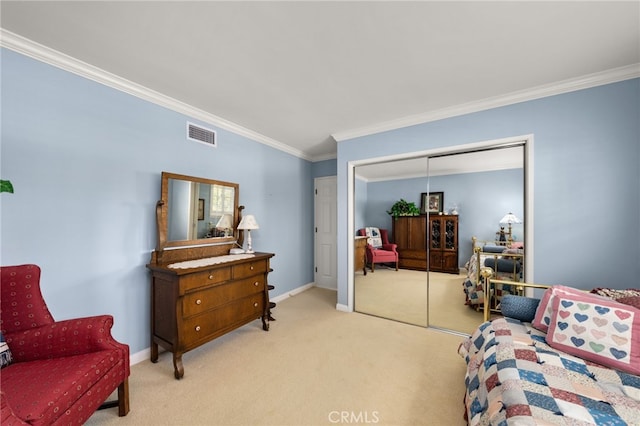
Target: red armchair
x,y
62,371
384,254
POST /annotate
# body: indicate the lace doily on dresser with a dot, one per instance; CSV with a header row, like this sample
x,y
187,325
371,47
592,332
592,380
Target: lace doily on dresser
x,y
208,261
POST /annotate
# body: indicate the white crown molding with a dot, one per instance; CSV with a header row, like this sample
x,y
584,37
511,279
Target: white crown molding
x,y
565,86
60,60
323,157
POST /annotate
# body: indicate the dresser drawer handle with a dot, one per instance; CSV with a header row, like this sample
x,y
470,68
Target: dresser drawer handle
x,y
256,283
251,267
210,277
197,328
255,304
198,302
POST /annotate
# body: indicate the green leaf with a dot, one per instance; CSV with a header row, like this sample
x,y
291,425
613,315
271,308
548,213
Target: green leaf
x,y
5,186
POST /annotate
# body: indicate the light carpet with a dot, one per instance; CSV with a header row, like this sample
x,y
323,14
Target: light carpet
x,y
316,366
403,295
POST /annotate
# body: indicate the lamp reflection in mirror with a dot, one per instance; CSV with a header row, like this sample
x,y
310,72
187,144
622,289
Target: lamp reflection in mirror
x,y
509,219
224,224
248,223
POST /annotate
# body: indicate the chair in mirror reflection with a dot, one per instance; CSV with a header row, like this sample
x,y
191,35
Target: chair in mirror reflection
x,y
379,249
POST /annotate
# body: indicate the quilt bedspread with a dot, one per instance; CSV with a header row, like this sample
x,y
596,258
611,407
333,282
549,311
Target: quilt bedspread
x,y
514,378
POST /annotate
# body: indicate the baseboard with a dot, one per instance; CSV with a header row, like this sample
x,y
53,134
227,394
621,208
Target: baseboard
x,y
291,293
326,288
343,308
138,357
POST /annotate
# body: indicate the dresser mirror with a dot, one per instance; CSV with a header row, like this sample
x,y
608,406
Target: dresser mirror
x,y
196,211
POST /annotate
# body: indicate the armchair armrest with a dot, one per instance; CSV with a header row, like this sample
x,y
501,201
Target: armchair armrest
x,y
389,246
64,338
7,415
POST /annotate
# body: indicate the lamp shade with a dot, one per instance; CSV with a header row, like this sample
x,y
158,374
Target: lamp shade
x,y
248,222
509,218
225,222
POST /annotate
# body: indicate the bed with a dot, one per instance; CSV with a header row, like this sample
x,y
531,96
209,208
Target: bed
x,y
571,358
506,262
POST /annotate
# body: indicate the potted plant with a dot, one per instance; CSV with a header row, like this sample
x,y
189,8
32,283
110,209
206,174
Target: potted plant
x,y
404,208
5,186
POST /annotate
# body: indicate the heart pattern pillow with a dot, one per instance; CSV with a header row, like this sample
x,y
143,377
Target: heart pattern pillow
x,y
542,318
599,330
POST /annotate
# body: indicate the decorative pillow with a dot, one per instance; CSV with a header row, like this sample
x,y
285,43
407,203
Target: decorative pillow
x,y
631,301
543,313
513,251
595,329
519,307
493,249
5,353
503,265
374,238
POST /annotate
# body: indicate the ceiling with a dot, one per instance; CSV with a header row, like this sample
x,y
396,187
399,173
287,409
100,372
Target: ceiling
x,y
307,74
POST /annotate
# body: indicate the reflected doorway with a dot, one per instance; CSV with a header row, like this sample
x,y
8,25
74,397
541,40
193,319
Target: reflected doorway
x,y
473,184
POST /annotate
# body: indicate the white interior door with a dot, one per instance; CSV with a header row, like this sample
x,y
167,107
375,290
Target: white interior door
x,y
326,232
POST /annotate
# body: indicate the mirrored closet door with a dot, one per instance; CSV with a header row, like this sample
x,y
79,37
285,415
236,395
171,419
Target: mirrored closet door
x,y
461,195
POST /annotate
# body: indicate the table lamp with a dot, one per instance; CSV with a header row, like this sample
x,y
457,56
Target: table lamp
x,y
509,219
248,223
225,223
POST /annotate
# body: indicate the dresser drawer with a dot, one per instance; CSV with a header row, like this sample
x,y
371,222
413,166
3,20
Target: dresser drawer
x,y
413,264
220,320
203,279
210,298
248,269
413,254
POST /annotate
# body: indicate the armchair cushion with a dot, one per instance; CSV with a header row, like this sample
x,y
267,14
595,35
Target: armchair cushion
x,y
41,390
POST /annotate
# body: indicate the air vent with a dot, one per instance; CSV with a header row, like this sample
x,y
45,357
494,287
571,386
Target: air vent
x,y
201,134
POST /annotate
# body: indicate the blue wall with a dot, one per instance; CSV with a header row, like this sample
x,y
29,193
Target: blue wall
x,y
482,200
324,168
586,179
85,161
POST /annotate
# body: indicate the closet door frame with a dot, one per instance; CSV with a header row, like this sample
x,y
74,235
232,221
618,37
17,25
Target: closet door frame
x,y
528,163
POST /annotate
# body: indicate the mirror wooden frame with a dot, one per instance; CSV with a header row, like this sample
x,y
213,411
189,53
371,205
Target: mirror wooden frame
x,y
162,212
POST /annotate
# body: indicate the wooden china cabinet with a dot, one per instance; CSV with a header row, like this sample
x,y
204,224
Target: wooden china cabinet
x,y
443,243
198,291
423,238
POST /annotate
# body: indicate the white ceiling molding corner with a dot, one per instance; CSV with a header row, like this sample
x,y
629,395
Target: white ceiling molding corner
x,y
585,82
318,158
65,62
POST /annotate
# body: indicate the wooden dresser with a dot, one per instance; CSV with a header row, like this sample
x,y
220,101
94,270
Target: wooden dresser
x,y
410,235
360,254
194,305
